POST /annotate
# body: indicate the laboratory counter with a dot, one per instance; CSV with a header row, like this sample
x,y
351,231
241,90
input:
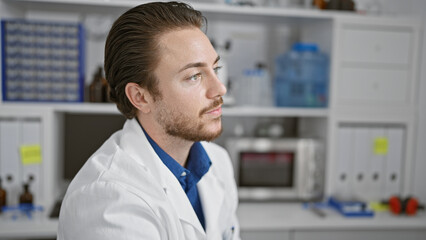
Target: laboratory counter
x,y
272,220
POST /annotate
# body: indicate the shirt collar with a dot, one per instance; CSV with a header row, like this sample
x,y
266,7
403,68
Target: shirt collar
x,y
198,163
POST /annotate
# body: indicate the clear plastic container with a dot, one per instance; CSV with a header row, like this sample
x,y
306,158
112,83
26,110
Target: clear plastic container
x,y
254,88
301,77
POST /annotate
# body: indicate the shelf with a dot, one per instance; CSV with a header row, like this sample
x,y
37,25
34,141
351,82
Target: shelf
x,y
274,112
110,108
24,228
214,8
89,108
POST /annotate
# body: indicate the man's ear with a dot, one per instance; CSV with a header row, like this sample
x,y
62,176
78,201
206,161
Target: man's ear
x,y
139,97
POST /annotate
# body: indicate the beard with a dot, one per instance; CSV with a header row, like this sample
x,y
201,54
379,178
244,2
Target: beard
x,y
180,125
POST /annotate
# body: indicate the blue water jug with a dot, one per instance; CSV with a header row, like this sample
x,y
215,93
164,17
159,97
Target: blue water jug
x,y
301,77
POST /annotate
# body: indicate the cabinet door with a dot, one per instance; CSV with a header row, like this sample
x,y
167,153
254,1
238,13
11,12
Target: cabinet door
x,y
376,64
360,234
265,235
381,45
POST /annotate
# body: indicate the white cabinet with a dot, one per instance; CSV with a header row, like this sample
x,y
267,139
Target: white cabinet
x,y
376,44
376,63
373,82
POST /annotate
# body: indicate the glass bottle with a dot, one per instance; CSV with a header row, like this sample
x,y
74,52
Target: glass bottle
x,y
2,197
98,89
26,196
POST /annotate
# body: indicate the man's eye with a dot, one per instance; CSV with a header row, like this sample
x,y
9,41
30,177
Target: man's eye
x,y
195,77
216,69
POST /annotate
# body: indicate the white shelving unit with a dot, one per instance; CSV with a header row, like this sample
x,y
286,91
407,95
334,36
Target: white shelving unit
x,y
110,108
391,56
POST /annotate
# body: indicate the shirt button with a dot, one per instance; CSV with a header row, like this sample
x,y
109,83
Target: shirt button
x,y
183,174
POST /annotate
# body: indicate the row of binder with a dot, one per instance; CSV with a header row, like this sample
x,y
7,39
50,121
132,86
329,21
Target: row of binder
x,y
18,161
369,162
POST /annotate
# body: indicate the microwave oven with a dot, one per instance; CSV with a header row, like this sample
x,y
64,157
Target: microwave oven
x,y
277,169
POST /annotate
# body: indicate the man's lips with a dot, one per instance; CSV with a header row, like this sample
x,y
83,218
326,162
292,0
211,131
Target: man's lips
x,y
216,110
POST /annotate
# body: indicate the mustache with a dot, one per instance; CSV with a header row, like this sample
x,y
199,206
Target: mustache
x,y
212,106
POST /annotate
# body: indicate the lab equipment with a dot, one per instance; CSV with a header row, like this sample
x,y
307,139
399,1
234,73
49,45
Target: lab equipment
x,y
26,209
350,208
301,77
408,205
346,208
254,87
43,61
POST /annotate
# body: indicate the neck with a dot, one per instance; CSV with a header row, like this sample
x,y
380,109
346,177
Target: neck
x,y
176,147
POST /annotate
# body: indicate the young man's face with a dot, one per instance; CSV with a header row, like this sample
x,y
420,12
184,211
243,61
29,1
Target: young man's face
x,y
191,93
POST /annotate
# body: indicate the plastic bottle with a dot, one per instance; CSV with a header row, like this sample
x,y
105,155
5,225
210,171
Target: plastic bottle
x,y
301,77
254,88
2,197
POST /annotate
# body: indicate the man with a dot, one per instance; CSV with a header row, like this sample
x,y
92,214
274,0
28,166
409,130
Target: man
x,y
154,179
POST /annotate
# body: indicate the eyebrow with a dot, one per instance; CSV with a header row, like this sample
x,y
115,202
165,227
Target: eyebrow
x,y
198,64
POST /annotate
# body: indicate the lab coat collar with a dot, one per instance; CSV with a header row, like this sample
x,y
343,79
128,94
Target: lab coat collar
x,y
135,143
211,190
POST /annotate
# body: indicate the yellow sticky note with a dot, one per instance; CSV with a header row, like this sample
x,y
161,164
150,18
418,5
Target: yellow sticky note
x,y
30,154
379,207
381,145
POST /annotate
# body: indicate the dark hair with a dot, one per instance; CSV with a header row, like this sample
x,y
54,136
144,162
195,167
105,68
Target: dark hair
x,y
132,48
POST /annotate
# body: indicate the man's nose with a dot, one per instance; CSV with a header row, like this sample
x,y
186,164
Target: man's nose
x,y
216,87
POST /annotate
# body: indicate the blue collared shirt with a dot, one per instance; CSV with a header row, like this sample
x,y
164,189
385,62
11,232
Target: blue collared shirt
x,y
197,164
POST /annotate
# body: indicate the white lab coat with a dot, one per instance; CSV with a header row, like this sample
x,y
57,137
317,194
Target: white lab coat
x,y
124,191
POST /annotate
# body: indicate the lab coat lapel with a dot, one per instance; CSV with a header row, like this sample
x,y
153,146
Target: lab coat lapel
x,y
181,203
138,146
211,192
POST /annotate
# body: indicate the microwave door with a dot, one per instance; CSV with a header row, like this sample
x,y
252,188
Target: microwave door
x,y
267,175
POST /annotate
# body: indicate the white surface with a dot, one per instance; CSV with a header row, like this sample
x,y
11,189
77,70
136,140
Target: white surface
x,y
256,217
292,216
9,159
419,189
31,134
38,227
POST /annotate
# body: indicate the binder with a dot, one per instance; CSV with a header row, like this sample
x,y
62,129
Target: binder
x,y
393,168
31,135
378,151
343,173
9,159
361,163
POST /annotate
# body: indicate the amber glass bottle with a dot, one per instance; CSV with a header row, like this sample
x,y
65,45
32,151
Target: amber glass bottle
x,y
26,196
98,89
2,197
